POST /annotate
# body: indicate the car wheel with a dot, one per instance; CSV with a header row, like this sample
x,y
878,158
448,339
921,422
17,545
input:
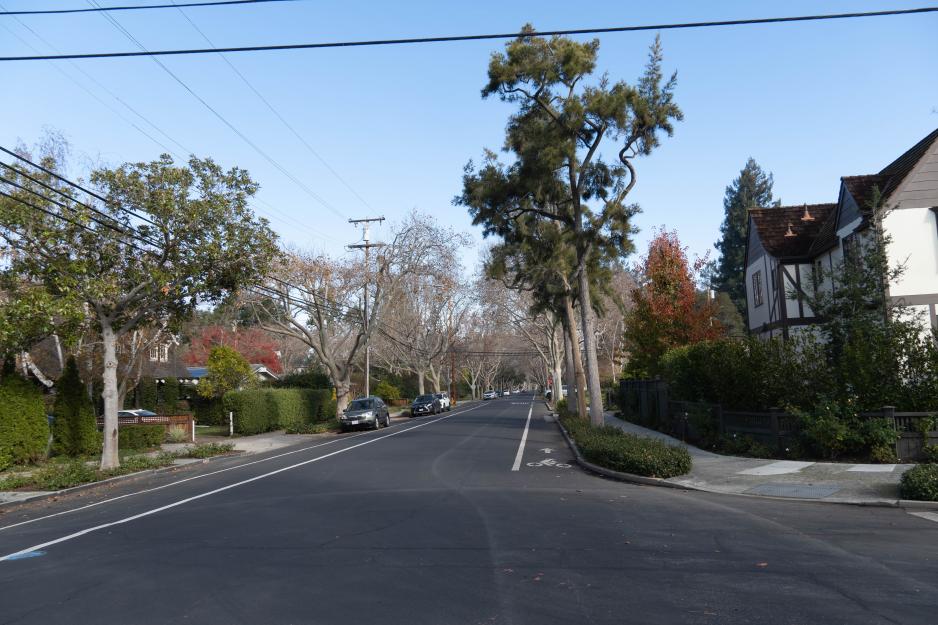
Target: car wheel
x,y
387,420
377,423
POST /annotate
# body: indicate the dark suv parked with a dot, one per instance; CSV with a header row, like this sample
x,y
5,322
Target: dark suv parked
x,y
424,405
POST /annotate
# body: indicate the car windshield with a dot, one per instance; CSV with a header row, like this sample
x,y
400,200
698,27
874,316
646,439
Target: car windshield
x,y
439,395
361,404
424,398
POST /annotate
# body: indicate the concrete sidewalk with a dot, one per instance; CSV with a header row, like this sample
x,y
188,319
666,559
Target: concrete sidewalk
x,y
824,481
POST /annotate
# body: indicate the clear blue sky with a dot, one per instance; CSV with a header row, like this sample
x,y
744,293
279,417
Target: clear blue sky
x,y
810,102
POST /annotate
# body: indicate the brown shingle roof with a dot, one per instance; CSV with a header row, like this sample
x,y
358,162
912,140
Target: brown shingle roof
x,y
890,177
772,224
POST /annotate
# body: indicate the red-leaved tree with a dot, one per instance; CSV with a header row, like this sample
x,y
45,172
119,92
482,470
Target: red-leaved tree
x,y
668,311
257,346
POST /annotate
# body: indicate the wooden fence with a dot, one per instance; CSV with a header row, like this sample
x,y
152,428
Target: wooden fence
x,y
187,422
648,404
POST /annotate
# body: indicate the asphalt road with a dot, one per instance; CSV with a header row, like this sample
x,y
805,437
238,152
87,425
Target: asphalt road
x,y
426,522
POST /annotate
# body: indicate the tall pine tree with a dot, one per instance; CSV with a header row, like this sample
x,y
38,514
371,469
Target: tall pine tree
x,y
752,188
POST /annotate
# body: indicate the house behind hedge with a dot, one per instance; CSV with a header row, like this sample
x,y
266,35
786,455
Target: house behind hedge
x,y
788,246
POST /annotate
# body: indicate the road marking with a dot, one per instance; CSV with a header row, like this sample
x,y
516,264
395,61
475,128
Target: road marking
x,y
524,438
35,548
930,516
777,468
547,450
549,462
872,468
197,477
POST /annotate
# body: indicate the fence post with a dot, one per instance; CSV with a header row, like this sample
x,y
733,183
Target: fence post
x,y
230,423
192,428
889,412
776,434
664,409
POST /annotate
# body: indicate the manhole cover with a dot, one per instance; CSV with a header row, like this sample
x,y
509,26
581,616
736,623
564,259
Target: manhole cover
x,y
804,491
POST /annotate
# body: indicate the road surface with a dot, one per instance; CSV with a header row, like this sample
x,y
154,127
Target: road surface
x,y
428,522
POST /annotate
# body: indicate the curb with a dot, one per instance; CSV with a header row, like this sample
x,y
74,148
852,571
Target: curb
x,y
904,504
117,478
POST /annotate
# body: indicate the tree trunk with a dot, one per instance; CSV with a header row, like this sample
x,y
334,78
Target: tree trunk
x,y
589,343
420,382
109,455
343,393
579,376
556,366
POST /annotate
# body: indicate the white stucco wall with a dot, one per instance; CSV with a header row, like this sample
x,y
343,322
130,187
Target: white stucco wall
x,y
759,315
914,244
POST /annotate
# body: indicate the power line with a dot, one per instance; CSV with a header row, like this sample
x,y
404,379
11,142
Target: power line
x,y
62,217
221,117
138,7
273,110
77,186
85,87
112,224
455,38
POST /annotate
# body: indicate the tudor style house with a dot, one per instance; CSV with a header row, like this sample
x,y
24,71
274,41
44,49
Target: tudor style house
x,y
787,246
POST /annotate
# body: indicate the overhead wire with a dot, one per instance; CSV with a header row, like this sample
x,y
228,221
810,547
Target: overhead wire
x,y
136,7
222,118
482,37
276,112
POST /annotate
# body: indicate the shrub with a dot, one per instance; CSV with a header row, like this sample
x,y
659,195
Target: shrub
x,y
744,446
263,410
930,453
561,408
24,429
147,397
614,449
315,428
177,434
227,370
170,397
142,436
74,427
387,391
920,483
314,378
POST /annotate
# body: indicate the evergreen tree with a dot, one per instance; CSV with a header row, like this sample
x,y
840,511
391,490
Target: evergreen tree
x,y
74,429
753,187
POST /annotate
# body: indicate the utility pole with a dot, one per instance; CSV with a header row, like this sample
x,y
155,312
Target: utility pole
x,y
366,245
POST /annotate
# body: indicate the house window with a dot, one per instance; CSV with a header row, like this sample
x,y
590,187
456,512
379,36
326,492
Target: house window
x,y
757,289
851,249
159,353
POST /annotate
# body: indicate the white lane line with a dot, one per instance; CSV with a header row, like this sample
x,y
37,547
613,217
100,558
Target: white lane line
x,y
195,477
215,491
524,437
930,516
777,468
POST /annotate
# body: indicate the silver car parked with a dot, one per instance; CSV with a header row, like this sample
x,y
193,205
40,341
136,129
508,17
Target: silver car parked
x,y
366,411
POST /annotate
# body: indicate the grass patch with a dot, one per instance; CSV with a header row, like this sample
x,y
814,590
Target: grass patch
x,y
59,475
611,448
211,430
314,428
206,450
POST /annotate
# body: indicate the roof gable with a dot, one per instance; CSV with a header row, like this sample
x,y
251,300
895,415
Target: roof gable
x,y
785,233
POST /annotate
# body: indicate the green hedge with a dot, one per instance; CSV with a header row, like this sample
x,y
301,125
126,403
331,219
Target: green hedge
x,y
24,429
170,395
208,410
74,430
140,436
263,410
611,448
920,483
